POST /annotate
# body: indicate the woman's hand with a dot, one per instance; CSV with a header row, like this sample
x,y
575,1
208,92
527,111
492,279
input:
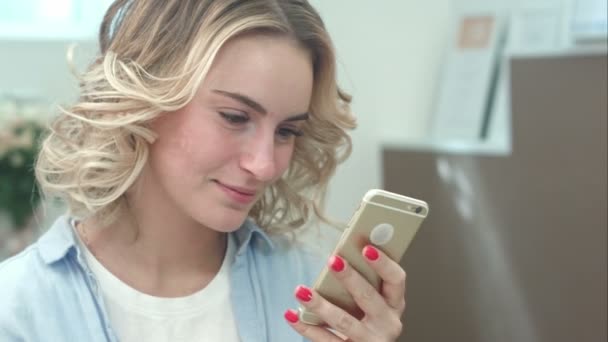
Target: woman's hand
x,y
383,309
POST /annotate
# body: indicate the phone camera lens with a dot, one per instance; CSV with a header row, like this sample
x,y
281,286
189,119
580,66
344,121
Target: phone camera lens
x,y
418,210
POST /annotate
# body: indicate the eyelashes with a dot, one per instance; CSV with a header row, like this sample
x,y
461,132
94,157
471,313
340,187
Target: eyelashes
x,y
234,118
238,120
289,132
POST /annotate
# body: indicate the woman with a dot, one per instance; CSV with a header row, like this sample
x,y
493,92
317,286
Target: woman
x,y
206,131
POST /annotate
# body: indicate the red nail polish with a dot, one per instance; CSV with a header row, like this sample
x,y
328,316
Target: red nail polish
x,y
336,263
370,253
291,316
303,293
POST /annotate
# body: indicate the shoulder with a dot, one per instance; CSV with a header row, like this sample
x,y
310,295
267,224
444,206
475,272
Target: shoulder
x,y
35,283
302,254
42,298
21,277
311,242
37,265
276,265
19,272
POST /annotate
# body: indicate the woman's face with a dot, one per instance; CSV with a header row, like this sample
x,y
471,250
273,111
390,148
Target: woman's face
x,y
215,156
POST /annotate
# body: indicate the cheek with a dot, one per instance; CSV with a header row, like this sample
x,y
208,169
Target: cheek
x,y
174,137
283,159
180,146
188,142
200,153
172,150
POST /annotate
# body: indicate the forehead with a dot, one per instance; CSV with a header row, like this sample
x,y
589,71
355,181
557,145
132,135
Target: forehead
x,y
273,69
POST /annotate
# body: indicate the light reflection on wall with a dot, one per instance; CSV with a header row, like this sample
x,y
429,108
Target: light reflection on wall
x,y
498,288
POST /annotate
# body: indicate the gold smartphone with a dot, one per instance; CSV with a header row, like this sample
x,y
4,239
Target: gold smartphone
x,y
384,219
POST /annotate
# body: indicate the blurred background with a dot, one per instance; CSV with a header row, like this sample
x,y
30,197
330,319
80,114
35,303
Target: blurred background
x,y
494,112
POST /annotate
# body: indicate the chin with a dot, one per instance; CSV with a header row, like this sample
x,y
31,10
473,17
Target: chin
x,y
225,221
220,213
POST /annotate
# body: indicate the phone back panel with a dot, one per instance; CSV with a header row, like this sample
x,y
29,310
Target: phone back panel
x,y
379,208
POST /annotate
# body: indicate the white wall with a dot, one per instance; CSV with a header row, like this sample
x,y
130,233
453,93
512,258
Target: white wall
x,y
389,54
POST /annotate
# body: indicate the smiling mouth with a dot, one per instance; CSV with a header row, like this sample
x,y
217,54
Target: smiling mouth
x,y
244,191
238,194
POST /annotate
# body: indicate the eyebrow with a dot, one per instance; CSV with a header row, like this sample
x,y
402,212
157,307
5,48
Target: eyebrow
x,y
299,117
244,99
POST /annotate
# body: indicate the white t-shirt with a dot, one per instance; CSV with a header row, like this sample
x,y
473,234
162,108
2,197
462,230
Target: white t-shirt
x,y
135,316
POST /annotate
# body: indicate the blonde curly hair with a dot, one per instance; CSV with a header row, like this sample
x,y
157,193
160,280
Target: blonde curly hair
x,y
153,57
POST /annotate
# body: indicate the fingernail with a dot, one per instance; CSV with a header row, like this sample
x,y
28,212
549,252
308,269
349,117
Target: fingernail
x,y
370,253
336,263
303,293
291,316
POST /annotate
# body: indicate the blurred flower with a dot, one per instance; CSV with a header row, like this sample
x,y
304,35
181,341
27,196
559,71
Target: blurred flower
x,y
19,139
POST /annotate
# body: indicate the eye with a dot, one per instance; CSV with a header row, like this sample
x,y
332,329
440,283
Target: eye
x,y
233,118
288,132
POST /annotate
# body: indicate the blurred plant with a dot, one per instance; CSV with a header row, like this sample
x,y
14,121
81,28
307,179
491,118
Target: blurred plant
x,y
19,142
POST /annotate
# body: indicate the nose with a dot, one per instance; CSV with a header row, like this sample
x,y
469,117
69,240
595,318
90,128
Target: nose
x,y
258,157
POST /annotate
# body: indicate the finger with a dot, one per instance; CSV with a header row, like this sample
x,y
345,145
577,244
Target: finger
x,y
333,316
379,316
312,332
365,295
392,274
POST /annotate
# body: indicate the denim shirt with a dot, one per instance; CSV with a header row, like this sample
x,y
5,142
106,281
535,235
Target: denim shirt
x,y
48,293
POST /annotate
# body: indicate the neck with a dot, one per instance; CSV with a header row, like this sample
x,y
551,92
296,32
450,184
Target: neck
x,y
157,250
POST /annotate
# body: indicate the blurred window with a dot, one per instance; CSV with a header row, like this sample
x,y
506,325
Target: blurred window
x,y
51,19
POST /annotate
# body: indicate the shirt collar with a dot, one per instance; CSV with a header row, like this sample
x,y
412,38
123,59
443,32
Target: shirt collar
x,y
248,232
60,239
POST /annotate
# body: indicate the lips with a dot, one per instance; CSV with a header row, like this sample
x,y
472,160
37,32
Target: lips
x,y
238,194
244,191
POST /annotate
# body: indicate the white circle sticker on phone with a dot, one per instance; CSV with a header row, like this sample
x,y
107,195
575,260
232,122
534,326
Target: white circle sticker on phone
x,y
381,234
